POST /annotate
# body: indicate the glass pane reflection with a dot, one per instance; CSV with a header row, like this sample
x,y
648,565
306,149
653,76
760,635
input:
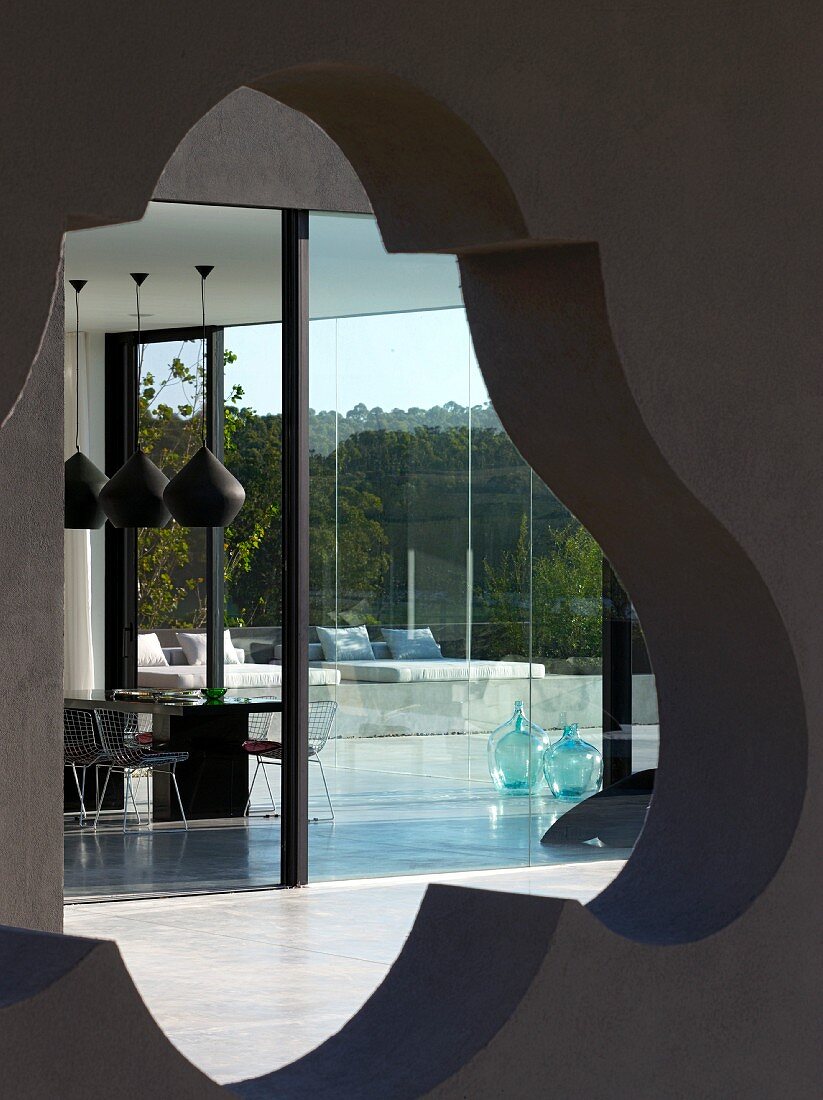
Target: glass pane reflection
x,y
426,521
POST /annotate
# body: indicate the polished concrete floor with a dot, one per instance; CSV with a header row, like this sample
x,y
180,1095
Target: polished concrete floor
x,y
403,805
244,983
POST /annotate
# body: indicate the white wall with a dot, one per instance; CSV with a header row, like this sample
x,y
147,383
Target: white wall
x,y
96,348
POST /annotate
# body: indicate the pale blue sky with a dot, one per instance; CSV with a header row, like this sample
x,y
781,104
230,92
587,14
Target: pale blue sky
x,y
396,360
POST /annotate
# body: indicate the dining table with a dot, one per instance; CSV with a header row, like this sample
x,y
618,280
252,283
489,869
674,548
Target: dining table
x,y
214,781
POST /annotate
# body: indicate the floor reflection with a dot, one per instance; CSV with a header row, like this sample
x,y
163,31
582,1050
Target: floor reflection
x,y
404,806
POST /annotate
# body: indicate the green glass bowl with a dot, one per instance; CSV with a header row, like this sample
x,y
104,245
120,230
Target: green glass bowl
x,y
213,694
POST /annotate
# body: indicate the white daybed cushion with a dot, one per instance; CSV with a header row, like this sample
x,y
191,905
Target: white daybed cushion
x,y
345,643
194,646
186,677
412,645
407,672
150,652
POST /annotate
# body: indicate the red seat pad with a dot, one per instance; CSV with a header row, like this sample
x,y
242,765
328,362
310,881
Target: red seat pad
x,y
263,748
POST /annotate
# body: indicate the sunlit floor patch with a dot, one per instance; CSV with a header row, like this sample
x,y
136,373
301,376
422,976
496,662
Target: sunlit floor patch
x,y
244,983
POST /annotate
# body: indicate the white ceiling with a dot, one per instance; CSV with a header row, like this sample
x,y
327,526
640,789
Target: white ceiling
x,y
350,271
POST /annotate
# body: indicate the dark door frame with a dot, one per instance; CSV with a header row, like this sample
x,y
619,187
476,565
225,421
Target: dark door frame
x,y
617,630
294,835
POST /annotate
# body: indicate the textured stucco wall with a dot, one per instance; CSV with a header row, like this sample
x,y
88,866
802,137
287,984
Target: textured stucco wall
x,y
252,151
634,193
31,662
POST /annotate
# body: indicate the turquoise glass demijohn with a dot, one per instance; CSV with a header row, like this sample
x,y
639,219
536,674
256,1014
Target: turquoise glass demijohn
x,y
573,767
516,752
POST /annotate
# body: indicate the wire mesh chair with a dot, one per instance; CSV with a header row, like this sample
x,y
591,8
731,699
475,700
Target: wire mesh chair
x,y
81,749
321,719
119,732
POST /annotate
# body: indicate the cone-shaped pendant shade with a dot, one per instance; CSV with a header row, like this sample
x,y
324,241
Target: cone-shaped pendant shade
x,y
134,496
204,493
82,501
83,480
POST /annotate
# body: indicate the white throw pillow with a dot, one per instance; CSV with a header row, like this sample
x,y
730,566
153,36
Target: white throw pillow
x,y
149,651
347,643
231,656
194,646
413,645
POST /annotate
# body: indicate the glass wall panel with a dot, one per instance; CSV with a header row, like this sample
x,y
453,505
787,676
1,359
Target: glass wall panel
x,y
223,849
449,585
391,529
252,381
171,561
645,719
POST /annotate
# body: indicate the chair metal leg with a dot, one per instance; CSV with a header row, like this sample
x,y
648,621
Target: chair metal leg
x,y
80,792
179,799
126,793
97,768
260,764
326,786
84,769
133,789
271,796
102,796
251,788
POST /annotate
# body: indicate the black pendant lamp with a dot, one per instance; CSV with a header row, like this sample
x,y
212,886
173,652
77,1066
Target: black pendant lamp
x,y
83,480
204,493
133,497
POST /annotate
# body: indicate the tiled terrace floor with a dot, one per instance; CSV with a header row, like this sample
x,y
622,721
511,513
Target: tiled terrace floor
x,y
245,983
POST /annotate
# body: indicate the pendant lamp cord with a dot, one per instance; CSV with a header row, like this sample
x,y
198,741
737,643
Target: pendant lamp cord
x,y
203,360
76,369
139,278
140,356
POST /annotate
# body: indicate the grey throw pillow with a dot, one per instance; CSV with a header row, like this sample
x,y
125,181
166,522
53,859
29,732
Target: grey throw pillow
x,y
346,643
194,646
413,645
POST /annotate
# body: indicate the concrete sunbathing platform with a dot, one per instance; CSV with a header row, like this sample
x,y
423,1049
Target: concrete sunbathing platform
x,y
367,709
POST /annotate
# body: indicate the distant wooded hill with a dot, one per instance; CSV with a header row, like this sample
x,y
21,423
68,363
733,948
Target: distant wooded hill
x,y
327,428
397,499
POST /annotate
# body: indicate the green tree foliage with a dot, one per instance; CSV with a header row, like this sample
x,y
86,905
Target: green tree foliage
x,y
348,561
170,434
327,429
564,585
171,560
253,545
382,484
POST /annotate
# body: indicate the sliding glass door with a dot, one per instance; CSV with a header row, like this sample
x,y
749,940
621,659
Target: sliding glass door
x,y
160,596
450,589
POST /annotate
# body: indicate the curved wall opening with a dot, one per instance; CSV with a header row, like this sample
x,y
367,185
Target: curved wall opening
x,y
425,518
539,325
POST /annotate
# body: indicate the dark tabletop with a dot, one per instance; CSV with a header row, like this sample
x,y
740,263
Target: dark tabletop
x,y
235,702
